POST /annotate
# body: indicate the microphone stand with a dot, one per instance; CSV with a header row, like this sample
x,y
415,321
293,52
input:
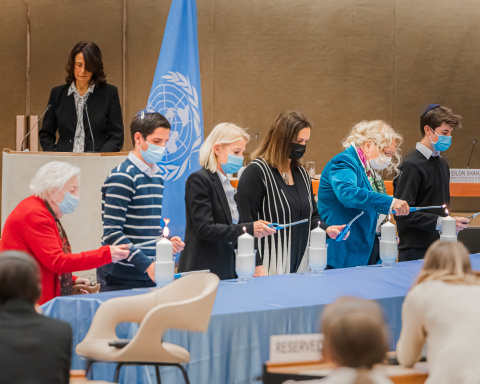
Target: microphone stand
x,y
31,129
471,153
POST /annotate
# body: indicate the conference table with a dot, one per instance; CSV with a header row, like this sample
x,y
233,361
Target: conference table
x,y
244,317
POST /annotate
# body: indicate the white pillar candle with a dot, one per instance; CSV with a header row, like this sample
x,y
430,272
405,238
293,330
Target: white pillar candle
x,y
389,232
245,244
164,249
318,238
449,226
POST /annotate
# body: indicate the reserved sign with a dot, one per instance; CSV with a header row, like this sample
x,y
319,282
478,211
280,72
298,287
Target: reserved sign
x,y
292,348
464,175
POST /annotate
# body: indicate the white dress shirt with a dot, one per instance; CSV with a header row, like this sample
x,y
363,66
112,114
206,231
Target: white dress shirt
x,y
230,192
143,166
80,101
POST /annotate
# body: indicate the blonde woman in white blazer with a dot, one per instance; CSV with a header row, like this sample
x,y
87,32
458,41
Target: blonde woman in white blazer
x,y
443,311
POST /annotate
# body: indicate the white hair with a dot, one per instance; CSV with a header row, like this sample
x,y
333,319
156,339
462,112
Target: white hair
x,y
223,133
51,178
379,133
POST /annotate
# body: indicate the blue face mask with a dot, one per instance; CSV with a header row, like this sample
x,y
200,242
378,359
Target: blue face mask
x,y
442,144
233,164
153,154
68,204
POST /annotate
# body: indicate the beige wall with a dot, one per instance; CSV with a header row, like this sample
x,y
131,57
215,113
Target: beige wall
x,y
338,61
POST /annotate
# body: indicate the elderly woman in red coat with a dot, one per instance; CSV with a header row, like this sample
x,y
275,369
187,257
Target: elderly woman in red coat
x,y
34,227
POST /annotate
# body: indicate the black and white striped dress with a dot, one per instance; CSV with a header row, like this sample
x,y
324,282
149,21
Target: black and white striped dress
x,y
263,195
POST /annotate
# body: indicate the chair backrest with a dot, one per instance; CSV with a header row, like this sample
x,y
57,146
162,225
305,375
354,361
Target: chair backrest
x,y
194,296
186,304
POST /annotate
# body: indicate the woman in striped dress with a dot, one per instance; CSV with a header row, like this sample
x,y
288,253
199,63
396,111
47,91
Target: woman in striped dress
x,y
276,188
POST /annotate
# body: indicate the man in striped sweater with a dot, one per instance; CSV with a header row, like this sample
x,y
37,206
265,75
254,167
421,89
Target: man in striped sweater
x,y
132,205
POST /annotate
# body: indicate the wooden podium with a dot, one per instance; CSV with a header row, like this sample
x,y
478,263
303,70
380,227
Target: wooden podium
x,y
84,226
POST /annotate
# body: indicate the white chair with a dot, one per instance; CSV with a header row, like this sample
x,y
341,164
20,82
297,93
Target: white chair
x,y
184,304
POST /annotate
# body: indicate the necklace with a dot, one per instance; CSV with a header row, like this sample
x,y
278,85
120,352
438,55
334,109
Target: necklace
x,y
285,177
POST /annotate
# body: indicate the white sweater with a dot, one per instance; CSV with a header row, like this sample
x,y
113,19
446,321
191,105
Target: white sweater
x,y
447,318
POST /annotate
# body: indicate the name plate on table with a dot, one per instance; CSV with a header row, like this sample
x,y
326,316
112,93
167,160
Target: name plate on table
x,y
464,175
293,348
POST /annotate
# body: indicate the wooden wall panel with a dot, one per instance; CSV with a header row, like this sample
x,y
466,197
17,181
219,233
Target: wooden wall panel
x,y
437,60
13,51
332,60
339,62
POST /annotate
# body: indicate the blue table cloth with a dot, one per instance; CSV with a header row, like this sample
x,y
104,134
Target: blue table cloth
x,y
244,317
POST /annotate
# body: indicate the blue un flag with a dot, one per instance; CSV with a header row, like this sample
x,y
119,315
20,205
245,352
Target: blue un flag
x,y
176,95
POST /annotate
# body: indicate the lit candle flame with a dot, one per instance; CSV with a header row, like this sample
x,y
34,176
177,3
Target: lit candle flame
x,y
447,212
245,229
318,223
166,232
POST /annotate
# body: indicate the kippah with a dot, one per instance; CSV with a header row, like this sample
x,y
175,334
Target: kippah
x,y
145,111
429,108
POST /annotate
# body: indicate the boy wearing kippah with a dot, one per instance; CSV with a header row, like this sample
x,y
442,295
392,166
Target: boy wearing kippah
x,y
424,181
132,205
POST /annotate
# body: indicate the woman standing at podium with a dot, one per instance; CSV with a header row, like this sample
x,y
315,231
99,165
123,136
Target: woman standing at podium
x,y
86,110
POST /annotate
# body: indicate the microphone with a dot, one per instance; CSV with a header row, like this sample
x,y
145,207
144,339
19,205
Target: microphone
x,y
38,121
471,152
90,126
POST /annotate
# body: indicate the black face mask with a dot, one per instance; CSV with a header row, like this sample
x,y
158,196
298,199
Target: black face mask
x,y
297,152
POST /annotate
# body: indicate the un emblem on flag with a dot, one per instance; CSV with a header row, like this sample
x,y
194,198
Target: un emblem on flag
x,y
177,100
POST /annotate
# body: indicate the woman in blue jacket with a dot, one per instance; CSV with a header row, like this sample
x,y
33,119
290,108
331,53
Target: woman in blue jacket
x,y
350,185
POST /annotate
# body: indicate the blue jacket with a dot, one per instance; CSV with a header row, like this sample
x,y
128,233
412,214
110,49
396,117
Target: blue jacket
x,y
343,193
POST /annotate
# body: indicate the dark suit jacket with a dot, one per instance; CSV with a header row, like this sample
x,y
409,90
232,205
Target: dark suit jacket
x,y
33,348
104,111
210,236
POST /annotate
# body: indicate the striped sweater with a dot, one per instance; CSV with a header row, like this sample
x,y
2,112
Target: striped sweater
x,y
131,213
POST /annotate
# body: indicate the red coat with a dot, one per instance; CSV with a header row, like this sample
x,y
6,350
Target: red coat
x,y
32,229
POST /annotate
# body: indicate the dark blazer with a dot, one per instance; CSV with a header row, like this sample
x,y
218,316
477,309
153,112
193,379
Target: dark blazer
x,y
33,348
210,236
104,111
